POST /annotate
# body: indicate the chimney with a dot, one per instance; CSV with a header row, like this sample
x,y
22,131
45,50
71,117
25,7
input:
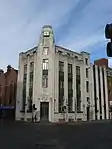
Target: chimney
x,y
9,67
1,71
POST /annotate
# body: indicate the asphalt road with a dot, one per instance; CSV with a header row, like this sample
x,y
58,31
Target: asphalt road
x,y
19,135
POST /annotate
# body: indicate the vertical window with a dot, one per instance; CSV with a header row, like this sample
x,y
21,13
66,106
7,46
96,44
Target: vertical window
x,y
31,74
70,89
45,50
87,86
77,70
25,69
45,73
86,61
70,68
30,87
46,33
45,64
61,86
86,72
78,91
45,81
24,88
61,66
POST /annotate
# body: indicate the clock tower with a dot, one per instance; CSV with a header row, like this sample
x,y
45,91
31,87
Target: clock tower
x,y
46,42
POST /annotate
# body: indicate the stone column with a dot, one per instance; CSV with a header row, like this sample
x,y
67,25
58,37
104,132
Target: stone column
x,y
74,86
102,97
106,94
27,86
19,88
83,90
56,77
97,92
92,99
34,100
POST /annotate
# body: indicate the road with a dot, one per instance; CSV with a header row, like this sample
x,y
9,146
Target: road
x,y
19,135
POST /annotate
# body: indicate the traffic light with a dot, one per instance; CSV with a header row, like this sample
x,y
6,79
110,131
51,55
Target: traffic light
x,y
109,49
108,35
108,31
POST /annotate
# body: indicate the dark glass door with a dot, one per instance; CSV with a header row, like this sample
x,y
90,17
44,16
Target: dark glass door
x,y
44,111
88,113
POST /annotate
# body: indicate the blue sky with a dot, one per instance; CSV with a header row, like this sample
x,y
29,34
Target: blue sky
x,y
78,25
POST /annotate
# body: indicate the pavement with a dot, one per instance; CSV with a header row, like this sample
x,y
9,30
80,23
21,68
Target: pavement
x,y
22,135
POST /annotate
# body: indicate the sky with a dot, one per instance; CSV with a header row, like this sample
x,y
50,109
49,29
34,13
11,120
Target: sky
x,y
77,24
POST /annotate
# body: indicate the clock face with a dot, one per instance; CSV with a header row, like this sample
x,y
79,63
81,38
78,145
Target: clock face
x,y
46,33
45,50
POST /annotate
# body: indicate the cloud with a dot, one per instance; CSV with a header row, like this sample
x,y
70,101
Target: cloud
x,y
21,23
88,24
77,25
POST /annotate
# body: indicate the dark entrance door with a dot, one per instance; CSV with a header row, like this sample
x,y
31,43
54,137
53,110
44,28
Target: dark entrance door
x,y
44,111
88,113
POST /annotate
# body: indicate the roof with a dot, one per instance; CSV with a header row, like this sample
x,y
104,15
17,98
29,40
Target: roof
x,y
30,50
8,72
67,49
72,50
56,46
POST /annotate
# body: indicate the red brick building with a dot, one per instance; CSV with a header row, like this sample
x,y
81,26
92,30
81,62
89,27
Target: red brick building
x,y
8,85
104,63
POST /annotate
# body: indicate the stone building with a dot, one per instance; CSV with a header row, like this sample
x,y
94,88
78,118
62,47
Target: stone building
x,y
56,80
8,84
104,63
99,103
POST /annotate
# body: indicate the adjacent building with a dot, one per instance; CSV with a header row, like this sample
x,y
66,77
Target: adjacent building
x,y
104,63
8,85
100,104
54,80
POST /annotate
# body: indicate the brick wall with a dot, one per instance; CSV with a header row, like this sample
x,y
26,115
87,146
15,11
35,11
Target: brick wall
x,y
8,85
102,62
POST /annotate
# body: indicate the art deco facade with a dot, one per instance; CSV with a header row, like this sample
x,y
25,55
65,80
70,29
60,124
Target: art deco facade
x,y
56,80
